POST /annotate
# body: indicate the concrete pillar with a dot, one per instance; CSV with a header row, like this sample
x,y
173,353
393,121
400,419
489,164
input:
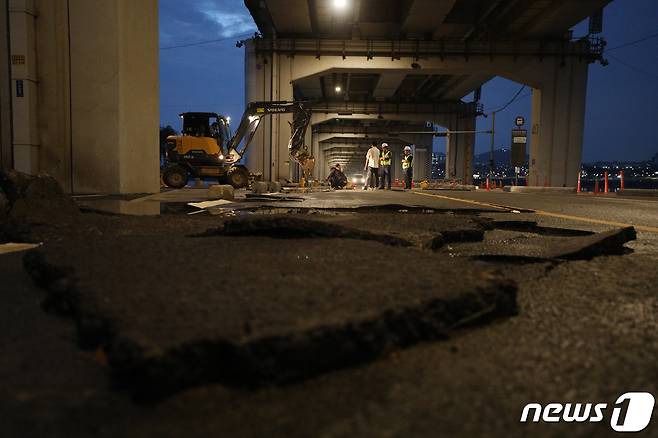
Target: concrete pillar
x,y
459,149
114,103
422,157
320,161
89,114
558,118
257,88
6,89
24,87
55,80
268,78
282,166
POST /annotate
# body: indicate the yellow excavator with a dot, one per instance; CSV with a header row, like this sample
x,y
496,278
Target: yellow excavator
x,y
206,147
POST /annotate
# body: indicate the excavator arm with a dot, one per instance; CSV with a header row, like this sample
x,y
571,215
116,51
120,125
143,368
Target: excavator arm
x,y
255,111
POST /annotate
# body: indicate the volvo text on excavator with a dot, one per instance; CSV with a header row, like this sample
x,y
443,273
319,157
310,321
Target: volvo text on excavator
x,y
206,147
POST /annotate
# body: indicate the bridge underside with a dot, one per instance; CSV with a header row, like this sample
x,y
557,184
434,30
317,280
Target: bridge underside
x,y
413,63
89,113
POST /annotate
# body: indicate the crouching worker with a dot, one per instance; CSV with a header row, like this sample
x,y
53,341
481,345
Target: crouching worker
x,y
337,179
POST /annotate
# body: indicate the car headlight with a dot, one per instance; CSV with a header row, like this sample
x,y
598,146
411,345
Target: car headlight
x,y
354,180
363,180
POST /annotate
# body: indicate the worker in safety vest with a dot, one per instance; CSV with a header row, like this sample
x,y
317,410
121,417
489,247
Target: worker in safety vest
x,y
385,160
407,167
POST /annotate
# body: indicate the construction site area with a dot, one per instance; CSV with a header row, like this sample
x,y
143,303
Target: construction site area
x,y
299,272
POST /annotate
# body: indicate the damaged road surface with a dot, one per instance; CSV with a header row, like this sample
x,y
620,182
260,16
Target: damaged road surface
x,y
389,317
254,311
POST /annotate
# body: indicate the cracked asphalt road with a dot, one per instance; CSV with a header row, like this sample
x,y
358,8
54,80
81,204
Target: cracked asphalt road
x,y
586,331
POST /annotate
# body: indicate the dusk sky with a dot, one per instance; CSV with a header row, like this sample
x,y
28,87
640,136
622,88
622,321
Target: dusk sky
x,y
622,98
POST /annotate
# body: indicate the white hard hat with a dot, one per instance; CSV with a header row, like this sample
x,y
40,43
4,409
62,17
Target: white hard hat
x,y
407,148
384,145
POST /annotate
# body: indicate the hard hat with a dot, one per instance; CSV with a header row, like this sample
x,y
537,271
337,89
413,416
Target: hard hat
x,y
407,148
384,145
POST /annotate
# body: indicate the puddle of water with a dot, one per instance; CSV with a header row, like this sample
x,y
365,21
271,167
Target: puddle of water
x,y
135,208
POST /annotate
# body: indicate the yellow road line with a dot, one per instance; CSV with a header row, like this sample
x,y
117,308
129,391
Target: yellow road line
x,y
466,201
546,213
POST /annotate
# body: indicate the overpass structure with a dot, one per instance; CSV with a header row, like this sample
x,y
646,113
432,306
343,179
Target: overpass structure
x,y
79,83
375,68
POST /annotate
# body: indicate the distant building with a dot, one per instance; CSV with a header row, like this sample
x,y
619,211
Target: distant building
x,y
438,165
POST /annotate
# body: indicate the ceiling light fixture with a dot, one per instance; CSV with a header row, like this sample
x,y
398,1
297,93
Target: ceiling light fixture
x,y
338,89
340,4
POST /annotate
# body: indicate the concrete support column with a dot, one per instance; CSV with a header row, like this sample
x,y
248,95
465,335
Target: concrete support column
x,y
114,103
320,161
55,127
24,80
396,165
85,93
6,89
459,149
558,119
282,164
422,157
257,88
268,78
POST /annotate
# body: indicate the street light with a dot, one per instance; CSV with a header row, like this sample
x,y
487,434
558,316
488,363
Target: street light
x,y
338,89
340,4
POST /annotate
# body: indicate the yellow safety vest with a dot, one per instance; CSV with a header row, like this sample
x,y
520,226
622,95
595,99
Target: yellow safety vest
x,y
385,159
407,161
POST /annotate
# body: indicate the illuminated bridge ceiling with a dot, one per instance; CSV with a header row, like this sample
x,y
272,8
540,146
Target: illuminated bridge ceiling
x,y
423,20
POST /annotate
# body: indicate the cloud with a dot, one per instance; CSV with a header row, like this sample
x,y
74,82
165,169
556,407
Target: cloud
x,y
198,20
230,17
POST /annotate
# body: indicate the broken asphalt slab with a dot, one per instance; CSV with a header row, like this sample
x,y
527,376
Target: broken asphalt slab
x,y
181,312
516,245
422,228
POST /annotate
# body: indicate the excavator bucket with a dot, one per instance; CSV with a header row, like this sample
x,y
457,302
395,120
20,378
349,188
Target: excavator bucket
x,y
307,164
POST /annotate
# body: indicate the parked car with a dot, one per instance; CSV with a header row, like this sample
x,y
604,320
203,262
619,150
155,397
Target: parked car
x,y
358,179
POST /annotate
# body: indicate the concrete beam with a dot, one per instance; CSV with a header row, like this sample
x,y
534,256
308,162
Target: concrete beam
x,y
387,85
466,86
425,16
290,16
437,119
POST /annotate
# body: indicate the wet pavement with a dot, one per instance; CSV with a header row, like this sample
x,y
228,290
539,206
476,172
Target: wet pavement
x,y
335,314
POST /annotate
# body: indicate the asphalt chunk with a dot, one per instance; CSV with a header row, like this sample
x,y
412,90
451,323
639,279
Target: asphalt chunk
x,y
296,228
251,312
424,229
518,246
533,227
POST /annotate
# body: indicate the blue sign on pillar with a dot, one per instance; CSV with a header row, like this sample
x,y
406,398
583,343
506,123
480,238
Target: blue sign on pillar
x,y
19,88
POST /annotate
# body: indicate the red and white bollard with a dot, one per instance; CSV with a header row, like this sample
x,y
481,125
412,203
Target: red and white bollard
x,y
621,180
605,182
578,187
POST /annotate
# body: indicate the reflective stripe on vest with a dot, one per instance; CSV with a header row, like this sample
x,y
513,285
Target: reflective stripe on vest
x,y
407,162
385,159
